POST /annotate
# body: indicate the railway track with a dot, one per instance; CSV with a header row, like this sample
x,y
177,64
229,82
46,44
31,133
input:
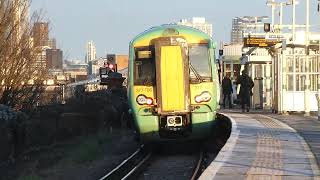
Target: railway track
x,y
172,162
130,167
134,164
200,166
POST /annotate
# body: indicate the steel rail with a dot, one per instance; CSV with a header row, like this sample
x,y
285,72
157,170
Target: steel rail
x,y
137,167
196,171
123,163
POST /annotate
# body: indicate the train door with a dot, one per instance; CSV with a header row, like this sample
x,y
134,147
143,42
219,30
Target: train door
x,y
172,82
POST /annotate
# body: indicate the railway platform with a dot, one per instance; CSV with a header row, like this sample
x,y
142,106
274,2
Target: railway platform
x,y
263,145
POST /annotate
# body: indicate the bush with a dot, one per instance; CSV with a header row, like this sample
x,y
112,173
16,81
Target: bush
x,y
12,131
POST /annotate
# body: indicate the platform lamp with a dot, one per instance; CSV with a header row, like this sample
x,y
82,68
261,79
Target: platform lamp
x,y
273,5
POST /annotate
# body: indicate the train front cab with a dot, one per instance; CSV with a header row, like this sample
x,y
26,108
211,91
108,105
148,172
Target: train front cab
x,y
173,87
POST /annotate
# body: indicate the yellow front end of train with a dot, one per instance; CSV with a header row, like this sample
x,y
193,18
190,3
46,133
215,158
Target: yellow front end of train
x,y
173,84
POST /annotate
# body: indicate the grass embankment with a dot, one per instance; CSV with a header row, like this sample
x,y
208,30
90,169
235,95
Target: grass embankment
x,y
90,149
79,151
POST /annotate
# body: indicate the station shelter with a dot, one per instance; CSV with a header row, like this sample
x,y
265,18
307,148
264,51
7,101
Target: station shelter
x,y
259,67
258,63
230,64
297,78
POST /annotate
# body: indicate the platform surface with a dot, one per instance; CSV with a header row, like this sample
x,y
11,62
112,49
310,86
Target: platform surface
x,y
262,147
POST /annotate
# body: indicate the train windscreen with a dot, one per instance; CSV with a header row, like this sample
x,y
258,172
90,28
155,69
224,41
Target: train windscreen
x,y
200,67
144,68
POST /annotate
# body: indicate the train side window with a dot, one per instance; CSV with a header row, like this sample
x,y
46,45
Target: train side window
x,y
144,71
199,59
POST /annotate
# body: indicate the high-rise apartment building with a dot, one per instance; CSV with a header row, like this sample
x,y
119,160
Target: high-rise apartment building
x,y
41,60
54,58
40,33
198,23
91,52
52,43
240,25
237,31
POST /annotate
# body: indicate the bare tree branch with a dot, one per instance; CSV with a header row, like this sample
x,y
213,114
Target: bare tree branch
x,y
18,56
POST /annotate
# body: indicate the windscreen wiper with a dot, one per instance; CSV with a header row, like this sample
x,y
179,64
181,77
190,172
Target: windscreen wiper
x,y
198,76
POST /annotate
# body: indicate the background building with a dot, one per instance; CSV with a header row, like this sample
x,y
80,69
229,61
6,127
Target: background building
x,y
48,56
296,78
75,70
94,66
40,34
54,58
256,60
41,57
198,23
237,31
122,61
245,24
52,43
91,53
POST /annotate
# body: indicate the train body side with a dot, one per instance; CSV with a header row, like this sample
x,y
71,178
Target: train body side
x,y
171,95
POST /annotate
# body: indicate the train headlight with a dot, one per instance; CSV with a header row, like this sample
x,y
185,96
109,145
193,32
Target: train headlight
x,y
171,120
142,99
203,97
149,101
198,99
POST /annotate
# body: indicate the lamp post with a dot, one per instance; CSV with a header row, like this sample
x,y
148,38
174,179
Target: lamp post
x,y
293,41
256,20
273,5
282,63
307,80
319,76
318,98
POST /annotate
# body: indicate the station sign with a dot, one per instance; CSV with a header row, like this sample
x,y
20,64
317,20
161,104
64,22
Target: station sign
x,y
259,42
275,36
314,42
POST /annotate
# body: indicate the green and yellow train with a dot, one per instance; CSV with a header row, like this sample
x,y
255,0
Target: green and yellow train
x,y
173,84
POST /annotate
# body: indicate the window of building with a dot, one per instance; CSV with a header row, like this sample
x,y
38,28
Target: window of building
x,y
299,69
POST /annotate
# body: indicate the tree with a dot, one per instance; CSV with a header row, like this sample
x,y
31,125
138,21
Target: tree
x,y
21,75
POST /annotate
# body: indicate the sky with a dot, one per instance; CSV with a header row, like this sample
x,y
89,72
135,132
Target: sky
x,y
111,24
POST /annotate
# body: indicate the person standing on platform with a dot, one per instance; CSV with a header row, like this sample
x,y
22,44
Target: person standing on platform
x,y
227,91
246,85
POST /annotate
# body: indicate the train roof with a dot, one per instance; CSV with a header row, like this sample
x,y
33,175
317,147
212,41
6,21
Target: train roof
x,y
192,35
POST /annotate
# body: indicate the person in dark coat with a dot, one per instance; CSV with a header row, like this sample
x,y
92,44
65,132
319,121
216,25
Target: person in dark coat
x,y
246,85
227,90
